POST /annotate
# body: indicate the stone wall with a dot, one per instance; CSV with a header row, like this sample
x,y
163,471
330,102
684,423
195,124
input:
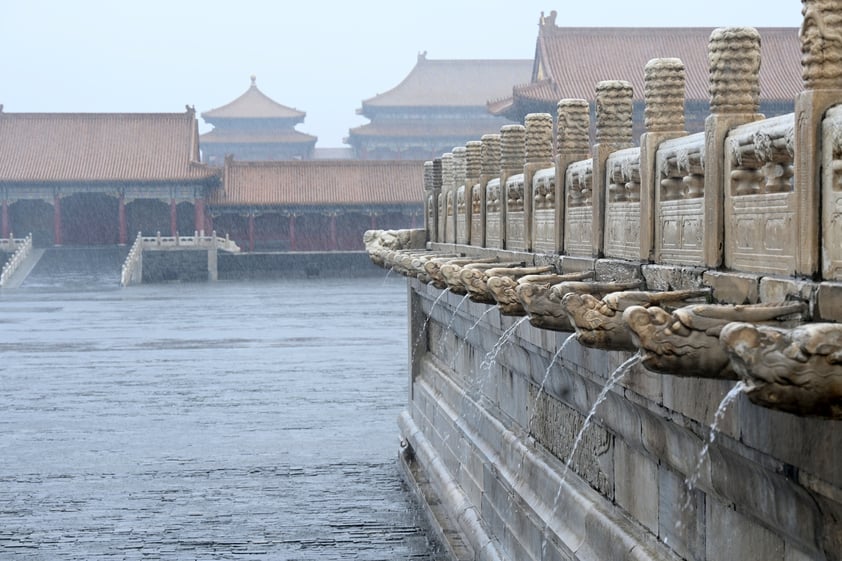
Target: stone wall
x,y
499,418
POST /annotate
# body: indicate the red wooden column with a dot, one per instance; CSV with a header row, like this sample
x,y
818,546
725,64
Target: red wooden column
x,y
251,232
57,220
333,244
121,217
292,232
199,220
173,218
4,220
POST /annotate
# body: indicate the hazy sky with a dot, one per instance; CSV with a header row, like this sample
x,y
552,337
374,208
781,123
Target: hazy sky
x,y
322,58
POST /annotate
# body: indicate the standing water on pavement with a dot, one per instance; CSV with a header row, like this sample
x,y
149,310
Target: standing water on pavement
x,y
223,420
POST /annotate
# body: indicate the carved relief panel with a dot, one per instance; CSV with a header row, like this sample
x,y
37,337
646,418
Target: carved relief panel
x,y
543,211
450,223
578,221
622,204
477,235
442,203
493,215
461,216
679,201
515,215
760,205
832,195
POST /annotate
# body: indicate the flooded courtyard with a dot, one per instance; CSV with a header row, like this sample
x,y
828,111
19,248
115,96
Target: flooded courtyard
x,y
204,421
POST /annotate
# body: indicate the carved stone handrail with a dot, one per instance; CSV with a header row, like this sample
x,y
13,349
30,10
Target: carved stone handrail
x,y
23,249
130,271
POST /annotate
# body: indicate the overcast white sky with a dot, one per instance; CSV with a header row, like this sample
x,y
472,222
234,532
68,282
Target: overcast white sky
x,y
319,57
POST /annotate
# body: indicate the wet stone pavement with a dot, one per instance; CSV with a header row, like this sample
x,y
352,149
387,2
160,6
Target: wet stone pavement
x,y
204,421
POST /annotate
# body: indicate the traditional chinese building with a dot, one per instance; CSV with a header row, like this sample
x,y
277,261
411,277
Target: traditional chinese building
x,y
255,127
440,104
317,205
565,67
98,178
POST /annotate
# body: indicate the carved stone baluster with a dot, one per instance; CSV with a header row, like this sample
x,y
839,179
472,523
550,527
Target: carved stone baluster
x,y
490,169
664,85
734,59
821,70
572,144
512,160
613,132
473,158
447,190
539,155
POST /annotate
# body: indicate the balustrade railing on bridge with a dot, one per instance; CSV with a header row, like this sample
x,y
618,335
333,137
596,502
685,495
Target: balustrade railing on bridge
x,y
749,195
21,247
132,267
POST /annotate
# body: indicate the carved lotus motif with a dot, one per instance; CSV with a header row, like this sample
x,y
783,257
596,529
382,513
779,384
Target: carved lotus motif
x,y
795,370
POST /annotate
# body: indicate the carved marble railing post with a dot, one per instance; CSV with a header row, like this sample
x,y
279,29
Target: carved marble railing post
x,y
448,189
613,132
734,63
473,157
821,70
664,81
430,203
490,180
537,200
512,160
461,198
572,145
441,197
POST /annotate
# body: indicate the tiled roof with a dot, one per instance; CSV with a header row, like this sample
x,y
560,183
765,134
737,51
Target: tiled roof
x,y
453,83
280,136
253,104
431,128
572,60
321,182
99,147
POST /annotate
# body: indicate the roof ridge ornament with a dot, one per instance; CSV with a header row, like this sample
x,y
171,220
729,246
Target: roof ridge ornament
x,y
253,81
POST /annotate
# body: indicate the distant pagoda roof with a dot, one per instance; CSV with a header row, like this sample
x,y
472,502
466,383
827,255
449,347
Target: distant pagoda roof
x,y
452,83
254,104
283,136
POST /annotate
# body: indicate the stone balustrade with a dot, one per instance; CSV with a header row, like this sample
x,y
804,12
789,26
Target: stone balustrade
x,y
730,198
132,272
21,248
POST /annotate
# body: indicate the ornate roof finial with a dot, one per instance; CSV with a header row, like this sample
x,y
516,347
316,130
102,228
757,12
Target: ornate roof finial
x,y
422,55
548,21
253,81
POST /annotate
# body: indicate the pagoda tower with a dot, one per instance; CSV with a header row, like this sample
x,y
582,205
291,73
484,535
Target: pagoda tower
x,y
254,127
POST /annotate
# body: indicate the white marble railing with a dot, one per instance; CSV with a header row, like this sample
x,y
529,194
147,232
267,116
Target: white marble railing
x,y
132,262
23,247
170,243
197,240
